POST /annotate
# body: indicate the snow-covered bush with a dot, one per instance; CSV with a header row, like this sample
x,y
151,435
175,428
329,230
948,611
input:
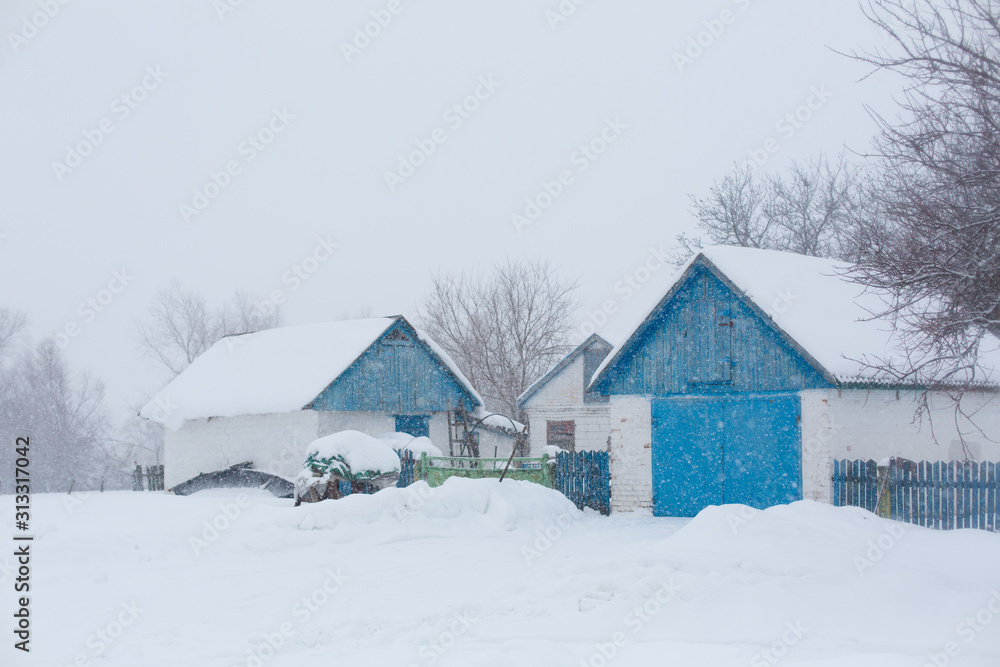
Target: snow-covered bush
x,y
345,456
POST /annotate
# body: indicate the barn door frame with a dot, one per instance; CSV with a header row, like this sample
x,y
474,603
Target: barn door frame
x,y
708,435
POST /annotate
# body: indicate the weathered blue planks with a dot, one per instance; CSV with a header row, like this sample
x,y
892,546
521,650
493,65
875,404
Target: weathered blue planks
x,y
585,478
942,495
398,373
708,337
407,463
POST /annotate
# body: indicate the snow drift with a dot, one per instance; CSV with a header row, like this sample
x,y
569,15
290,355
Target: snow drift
x,y
466,505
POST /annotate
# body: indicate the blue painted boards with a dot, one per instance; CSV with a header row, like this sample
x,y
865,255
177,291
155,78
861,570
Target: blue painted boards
x,y
397,374
688,442
418,426
706,337
723,450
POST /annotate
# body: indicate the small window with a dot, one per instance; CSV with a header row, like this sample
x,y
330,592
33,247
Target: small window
x,y
562,435
396,337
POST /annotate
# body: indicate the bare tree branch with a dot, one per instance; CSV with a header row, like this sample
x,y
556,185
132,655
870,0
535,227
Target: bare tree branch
x,y
180,326
504,329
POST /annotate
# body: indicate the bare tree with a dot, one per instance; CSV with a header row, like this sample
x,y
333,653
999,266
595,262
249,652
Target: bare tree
x,y
733,213
811,208
180,325
807,209
504,328
13,324
930,232
63,416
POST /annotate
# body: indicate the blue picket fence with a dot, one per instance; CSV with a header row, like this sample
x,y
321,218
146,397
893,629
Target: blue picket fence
x,y
585,478
942,495
407,465
855,484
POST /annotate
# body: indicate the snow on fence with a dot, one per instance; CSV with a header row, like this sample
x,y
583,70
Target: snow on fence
x,y
153,475
942,495
585,478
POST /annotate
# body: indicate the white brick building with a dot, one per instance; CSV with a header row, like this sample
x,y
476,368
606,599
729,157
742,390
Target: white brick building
x,y
561,411
263,397
747,379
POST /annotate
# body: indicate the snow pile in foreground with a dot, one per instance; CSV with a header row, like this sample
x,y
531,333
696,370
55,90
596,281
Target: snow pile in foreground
x,y
228,578
462,505
787,540
353,455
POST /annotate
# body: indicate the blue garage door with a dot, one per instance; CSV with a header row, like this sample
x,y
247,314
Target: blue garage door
x,y
721,450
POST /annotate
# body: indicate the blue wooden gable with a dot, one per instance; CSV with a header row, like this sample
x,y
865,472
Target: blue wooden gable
x,y
707,337
398,374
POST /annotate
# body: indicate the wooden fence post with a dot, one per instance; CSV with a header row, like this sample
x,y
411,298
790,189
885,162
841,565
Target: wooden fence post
x,y
884,492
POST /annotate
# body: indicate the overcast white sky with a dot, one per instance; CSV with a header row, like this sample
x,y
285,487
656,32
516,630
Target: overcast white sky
x,y
323,175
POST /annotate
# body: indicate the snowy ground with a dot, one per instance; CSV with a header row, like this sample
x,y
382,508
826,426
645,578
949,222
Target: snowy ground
x,y
465,575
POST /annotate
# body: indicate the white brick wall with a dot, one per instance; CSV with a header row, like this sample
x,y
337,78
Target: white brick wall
x,y
377,423
631,453
817,462
561,399
850,424
275,443
372,423
592,426
495,445
859,424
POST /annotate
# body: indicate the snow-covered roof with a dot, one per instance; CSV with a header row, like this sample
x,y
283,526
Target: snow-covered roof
x,y
812,302
273,371
537,385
